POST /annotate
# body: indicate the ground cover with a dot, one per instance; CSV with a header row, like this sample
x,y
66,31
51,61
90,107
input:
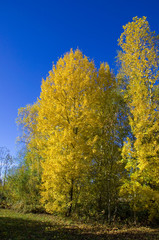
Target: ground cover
x,y
20,226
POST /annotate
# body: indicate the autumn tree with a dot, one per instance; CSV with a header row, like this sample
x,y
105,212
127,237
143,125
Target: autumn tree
x,y
108,134
73,137
77,120
65,102
27,122
26,180
139,69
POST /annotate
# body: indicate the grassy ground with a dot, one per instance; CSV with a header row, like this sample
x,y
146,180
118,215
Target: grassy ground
x,y
18,226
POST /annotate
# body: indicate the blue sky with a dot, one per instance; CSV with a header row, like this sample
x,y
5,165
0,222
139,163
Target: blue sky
x,y
34,34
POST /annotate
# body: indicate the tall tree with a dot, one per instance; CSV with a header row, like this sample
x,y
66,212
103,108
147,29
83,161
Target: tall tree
x,y
139,67
77,120
106,145
65,103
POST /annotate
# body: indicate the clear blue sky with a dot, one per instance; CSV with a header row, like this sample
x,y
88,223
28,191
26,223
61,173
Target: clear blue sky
x,y
34,34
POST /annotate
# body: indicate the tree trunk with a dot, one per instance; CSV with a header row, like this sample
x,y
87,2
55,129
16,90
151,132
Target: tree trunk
x,y
71,199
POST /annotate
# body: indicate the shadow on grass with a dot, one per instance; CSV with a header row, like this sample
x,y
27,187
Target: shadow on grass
x,y
20,229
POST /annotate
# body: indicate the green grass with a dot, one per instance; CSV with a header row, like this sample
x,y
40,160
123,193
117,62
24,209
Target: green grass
x,y
18,226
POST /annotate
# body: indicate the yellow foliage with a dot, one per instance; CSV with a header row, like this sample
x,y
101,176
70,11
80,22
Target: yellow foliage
x,y
139,66
75,119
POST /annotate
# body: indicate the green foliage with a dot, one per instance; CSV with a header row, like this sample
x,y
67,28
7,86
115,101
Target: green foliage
x,y
25,185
